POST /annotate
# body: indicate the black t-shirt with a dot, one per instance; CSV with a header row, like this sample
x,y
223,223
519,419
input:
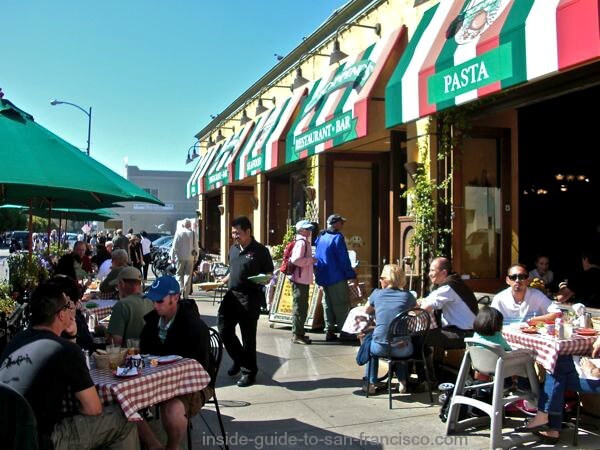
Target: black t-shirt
x,y
42,366
252,260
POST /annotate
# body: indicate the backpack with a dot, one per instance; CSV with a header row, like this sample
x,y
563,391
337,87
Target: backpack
x,y
287,267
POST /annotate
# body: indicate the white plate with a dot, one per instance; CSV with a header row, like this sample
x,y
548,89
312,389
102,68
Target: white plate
x,y
168,359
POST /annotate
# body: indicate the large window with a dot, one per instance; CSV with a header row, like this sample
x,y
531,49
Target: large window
x,y
482,208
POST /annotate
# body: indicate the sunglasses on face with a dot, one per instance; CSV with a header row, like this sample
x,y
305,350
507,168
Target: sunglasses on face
x,y
518,276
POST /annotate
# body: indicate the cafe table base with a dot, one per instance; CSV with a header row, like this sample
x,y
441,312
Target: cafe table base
x,y
548,348
154,385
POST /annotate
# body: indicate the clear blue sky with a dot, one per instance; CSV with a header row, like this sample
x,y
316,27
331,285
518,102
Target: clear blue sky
x,y
152,71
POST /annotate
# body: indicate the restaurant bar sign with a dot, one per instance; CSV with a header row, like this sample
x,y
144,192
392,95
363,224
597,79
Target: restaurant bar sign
x,y
343,127
464,50
330,115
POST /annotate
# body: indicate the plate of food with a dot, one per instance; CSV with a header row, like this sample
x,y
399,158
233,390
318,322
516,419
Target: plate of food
x,y
168,359
586,332
126,372
261,278
529,330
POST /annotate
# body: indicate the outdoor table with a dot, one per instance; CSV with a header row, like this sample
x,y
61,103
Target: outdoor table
x,y
103,309
548,348
154,385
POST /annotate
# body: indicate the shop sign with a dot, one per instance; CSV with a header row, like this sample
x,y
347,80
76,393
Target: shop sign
x,y
283,304
355,75
493,66
218,176
343,127
194,189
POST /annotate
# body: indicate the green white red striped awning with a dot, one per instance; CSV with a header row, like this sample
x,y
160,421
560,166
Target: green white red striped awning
x,y
194,182
336,109
263,149
465,49
220,170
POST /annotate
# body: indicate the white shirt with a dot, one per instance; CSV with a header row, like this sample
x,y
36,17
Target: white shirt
x,y
104,269
455,311
146,243
534,303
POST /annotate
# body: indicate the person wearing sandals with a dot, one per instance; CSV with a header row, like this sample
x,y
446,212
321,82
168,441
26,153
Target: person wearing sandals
x,y
548,420
385,304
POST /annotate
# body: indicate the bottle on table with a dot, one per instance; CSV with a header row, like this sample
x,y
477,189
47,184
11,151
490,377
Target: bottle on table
x,y
559,329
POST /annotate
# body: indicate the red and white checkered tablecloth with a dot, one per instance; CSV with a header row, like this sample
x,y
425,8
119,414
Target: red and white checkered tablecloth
x,y
103,309
154,385
547,347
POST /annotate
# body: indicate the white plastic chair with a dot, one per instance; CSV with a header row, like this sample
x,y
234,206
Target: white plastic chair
x,y
490,359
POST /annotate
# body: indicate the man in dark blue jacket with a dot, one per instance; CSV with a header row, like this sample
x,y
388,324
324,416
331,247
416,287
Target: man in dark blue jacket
x,y
332,272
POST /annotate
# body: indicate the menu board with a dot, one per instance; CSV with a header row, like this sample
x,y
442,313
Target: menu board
x,y
281,310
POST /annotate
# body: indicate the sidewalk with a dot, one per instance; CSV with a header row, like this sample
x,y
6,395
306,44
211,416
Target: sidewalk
x,y
309,397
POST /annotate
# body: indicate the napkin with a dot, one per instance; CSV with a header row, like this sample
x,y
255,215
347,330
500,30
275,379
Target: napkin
x,y
126,371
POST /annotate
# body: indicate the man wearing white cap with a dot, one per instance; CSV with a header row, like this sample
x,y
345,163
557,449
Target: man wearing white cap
x,y
301,277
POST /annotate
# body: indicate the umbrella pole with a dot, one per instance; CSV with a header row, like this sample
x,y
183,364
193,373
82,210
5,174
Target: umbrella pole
x,y
49,218
30,227
59,228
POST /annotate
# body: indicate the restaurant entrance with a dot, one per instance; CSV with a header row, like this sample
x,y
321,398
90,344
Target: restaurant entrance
x,y
558,181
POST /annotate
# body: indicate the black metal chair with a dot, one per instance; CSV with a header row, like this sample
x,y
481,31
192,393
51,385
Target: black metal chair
x,y
18,427
216,353
412,324
219,270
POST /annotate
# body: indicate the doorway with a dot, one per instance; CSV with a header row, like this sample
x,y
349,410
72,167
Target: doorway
x,y
558,181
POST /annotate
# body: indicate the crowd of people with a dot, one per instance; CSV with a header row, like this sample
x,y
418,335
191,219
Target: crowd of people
x,y
166,321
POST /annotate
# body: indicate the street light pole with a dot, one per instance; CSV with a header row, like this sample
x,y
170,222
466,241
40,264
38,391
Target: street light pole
x,y
87,113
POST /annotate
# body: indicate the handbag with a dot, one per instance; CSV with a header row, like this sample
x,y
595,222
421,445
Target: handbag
x,y
364,351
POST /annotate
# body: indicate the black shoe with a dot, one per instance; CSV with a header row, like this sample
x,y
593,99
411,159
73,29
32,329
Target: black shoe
x,y
233,370
246,380
331,337
347,337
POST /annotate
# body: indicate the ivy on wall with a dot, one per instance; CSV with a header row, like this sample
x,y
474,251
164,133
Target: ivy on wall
x,y
431,237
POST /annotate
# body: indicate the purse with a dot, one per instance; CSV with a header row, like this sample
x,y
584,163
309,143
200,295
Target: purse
x,y
364,351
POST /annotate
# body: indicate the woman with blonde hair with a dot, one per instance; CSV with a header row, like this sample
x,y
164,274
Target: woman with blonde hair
x,y
385,304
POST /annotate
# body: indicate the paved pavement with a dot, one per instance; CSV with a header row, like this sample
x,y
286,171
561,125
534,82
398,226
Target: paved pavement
x,y
310,397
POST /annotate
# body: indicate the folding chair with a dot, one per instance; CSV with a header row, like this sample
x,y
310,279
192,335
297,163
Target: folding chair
x,y
490,359
216,353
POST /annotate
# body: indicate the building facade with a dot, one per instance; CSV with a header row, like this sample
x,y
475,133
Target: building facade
x,y
169,187
477,96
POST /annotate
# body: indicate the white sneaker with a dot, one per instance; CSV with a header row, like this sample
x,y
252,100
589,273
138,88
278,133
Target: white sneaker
x,y
401,387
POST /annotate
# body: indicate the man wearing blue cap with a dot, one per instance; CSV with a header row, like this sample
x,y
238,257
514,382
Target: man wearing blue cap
x,y
174,327
301,278
332,271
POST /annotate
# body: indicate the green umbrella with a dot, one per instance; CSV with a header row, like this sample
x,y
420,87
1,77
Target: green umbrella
x,y
100,215
39,167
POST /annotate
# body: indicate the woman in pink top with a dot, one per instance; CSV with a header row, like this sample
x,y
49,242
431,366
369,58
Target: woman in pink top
x,y
302,278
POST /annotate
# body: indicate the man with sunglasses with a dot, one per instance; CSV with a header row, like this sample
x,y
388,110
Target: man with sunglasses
x,y
45,368
518,303
174,327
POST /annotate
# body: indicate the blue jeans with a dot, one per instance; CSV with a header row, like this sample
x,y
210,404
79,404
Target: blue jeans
x,y
564,378
378,349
